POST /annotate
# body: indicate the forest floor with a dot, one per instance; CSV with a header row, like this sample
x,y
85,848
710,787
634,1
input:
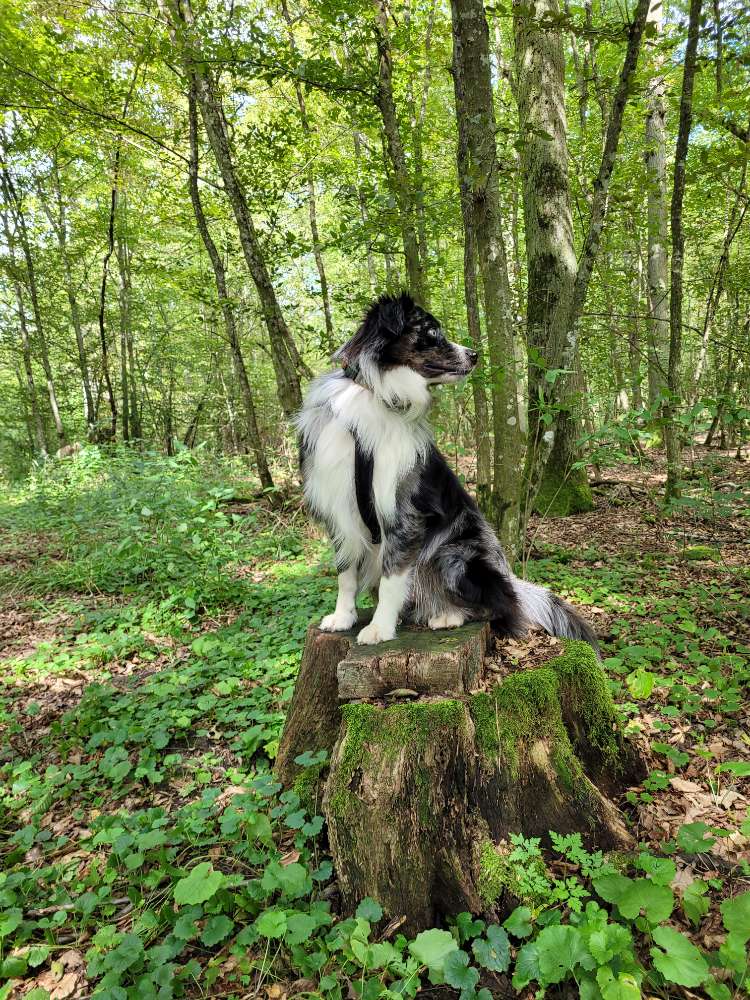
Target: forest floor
x,y
151,623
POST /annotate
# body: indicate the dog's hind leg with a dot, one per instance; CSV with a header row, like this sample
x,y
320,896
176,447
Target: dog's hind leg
x,y
345,614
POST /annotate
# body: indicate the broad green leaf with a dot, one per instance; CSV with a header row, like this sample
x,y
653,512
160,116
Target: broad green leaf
x,y
519,922
736,915
527,966
561,948
680,962
201,884
694,901
493,952
368,909
217,928
458,973
271,924
432,947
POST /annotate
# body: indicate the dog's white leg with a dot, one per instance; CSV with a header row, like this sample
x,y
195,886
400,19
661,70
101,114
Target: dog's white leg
x,y
345,614
451,618
392,594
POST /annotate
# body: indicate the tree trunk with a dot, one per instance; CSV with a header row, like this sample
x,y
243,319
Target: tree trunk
x,y
735,219
372,273
103,302
671,404
36,416
402,187
658,263
480,197
22,233
227,312
311,197
58,221
126,333
284,354
633,261
544,104
482,430
417,732
550,251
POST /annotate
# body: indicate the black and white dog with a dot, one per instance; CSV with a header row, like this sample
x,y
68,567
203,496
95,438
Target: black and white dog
x,y
397,515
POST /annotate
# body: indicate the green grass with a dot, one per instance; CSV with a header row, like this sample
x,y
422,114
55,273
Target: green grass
x,y
140,712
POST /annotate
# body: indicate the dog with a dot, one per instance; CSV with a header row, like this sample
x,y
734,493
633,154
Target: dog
x,y
397,516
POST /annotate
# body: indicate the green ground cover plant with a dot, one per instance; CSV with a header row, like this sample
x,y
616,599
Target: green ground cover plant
x,y
154,613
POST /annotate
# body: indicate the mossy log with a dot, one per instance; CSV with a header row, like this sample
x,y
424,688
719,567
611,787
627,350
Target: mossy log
x,y
434,770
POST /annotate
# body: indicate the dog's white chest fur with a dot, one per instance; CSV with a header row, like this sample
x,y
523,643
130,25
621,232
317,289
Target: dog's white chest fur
x,y
337,409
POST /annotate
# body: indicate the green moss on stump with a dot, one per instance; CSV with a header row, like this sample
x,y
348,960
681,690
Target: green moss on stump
x,y
308,785
561,495
529,706
585,696
405,728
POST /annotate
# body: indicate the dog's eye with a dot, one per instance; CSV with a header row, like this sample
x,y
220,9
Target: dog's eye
x,y
433,335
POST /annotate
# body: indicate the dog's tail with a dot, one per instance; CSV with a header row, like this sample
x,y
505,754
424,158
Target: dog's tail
x,y
541,607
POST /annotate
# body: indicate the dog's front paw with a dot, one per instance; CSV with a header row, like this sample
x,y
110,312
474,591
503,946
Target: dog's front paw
x,y
450,619
339,621
372,634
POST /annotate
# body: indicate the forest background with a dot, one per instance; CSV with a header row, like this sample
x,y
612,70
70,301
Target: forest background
x,y
197,202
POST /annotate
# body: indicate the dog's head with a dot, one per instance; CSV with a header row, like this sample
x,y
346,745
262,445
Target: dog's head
x,y
396,333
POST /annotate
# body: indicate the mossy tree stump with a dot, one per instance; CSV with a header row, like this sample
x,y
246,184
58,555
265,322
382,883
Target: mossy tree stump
x,y
431,766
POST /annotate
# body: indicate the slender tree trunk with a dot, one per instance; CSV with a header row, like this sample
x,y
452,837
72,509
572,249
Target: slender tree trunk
x,y
103,300
633,264
481,204
227,312
672,402
372,272
36,415
59,224
418,115
284,354
482,430
13,199
399,172
123,264
311,196
734,222
656,170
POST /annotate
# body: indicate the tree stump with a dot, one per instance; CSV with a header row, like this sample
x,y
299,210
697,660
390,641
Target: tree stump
x,y
432,765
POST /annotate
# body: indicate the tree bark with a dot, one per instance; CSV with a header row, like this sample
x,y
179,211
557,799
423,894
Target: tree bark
x,y
284,354
126,333
103,300
58,221
550,250
671,404
37,423
227,312
656,170
480,197
402,186
311,196
545,391
22,233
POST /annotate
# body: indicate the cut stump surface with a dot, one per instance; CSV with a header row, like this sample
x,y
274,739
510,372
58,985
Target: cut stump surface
x,y
432,767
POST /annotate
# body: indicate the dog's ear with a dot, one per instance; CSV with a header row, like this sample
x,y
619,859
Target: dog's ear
x,y
385,320
391,315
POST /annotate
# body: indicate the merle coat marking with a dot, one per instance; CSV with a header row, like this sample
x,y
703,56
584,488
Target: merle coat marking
x,y
398,517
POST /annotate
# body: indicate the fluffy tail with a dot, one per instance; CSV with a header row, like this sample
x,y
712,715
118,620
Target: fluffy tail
x,y
541,607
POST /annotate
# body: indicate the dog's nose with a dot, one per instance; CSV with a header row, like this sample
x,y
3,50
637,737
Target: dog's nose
x,y
473,356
